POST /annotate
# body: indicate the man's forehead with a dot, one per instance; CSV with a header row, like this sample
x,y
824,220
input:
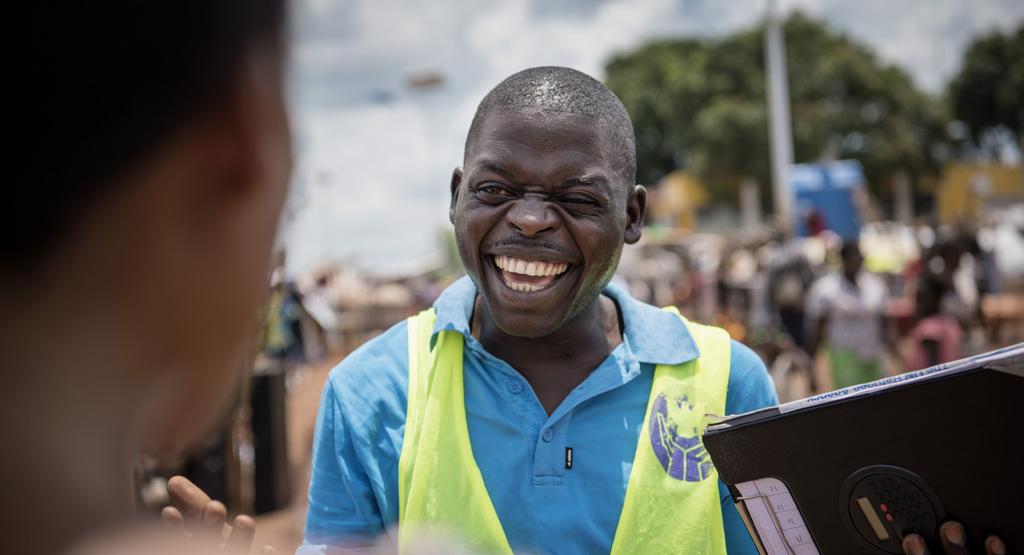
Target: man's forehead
x,y
525,119
514,135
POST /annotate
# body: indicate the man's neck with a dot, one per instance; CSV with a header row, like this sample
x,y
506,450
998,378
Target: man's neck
x,y
558,362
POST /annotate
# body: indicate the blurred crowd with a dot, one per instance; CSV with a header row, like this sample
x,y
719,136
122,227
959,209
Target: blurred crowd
x,y
901,297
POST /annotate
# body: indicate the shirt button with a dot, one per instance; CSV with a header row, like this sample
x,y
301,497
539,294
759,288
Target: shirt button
x,y
547,435
515,387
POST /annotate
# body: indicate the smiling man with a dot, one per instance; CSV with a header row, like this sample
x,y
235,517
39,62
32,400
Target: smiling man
x,y
536,407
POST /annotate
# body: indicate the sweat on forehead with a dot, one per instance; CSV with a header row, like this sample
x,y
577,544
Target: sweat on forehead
x,y
563,91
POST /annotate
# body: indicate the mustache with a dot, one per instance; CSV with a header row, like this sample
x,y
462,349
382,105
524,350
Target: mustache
x,y
541,244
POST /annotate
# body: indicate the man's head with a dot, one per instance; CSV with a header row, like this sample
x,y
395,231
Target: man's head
x,y
546,197
155,153
851,258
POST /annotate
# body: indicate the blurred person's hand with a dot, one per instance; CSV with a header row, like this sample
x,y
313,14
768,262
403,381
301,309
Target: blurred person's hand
x,y
198,518
954,542
204,520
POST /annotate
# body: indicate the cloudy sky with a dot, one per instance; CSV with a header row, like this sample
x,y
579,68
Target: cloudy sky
x,y
375,156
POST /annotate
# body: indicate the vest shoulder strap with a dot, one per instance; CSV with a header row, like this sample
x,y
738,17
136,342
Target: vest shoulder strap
x,y
440,488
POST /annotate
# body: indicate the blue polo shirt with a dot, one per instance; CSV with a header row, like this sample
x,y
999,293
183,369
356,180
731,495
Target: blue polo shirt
x,y
521,451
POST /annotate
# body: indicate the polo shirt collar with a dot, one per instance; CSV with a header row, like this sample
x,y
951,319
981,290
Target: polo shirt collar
x,y
654,336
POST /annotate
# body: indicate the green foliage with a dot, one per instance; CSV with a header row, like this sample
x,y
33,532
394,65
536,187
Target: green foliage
x,y
989,90
701,106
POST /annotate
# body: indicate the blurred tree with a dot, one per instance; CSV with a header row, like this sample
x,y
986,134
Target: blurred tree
x,y
988,93
701,106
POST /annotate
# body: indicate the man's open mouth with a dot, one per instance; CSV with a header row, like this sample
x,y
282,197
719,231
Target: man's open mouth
x,y
528,276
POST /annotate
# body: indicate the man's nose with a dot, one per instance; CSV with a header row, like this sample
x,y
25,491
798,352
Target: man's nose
x,y
533,216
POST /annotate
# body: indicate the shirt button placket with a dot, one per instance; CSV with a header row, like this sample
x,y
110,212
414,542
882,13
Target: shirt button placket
x,y
515,387
547,435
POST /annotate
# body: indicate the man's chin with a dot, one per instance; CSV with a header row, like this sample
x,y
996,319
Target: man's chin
x,y
526,326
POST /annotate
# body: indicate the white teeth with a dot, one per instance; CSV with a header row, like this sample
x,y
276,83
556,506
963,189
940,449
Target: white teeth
x,y
535,268
524,287
530,268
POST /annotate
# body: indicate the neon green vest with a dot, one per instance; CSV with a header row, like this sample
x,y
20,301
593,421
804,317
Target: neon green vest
x,y
671,504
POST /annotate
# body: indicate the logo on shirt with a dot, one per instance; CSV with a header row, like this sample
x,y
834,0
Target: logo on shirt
x,y
676,439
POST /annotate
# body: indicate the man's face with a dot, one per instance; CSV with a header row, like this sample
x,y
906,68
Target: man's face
x,y
852,263
540,215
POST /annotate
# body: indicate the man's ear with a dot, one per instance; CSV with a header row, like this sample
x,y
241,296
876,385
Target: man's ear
x,y
456,181
636,209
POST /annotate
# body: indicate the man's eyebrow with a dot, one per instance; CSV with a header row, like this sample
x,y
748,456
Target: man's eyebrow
x,y
585,180
497,168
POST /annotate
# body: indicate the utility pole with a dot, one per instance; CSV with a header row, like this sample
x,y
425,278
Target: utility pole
x,y
780,136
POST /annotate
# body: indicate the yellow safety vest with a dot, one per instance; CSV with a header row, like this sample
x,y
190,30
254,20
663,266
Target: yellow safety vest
x,y
671,504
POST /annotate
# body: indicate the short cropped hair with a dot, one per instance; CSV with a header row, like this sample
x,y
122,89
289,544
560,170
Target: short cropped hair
x,y
101,85
562,90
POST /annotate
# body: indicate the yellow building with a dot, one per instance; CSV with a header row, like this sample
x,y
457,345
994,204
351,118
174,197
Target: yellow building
x,y
675,199
966,190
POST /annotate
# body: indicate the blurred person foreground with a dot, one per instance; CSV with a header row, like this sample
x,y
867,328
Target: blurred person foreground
x,y
157,154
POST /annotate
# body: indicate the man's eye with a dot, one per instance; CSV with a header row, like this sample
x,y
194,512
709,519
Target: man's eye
x,y
495,190
578,200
